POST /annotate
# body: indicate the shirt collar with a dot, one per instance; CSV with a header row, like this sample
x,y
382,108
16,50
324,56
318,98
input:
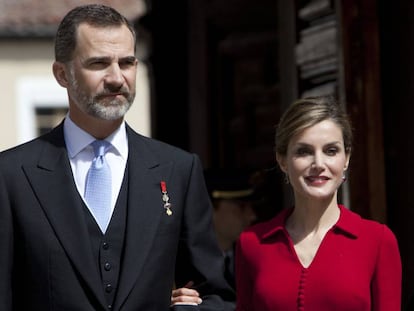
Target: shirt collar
x,y
277,224
77,139
349,223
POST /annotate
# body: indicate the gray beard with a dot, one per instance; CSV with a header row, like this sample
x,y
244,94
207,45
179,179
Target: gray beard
x,y
92,105
115,109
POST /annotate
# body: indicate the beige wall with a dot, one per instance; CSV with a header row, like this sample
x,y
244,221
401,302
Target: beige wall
x,y
26,77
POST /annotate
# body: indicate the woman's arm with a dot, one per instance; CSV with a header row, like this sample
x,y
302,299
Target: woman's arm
x,y
387,282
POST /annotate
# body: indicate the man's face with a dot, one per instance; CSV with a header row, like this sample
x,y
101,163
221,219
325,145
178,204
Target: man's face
x,y
102,74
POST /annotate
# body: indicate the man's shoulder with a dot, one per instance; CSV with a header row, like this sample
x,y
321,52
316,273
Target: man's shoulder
x,y
157,146
22,148
29,149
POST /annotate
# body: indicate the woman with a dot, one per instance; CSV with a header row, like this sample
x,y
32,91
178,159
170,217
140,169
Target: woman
x,y
317,255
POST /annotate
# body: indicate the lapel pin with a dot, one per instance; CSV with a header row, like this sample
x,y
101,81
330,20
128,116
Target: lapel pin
x,y
166,198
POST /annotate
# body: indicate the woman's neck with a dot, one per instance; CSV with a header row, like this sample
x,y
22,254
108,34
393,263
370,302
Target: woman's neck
x,y
313,217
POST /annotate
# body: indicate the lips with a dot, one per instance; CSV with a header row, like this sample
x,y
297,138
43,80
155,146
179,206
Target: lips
x,y
317,179
114,95
114,92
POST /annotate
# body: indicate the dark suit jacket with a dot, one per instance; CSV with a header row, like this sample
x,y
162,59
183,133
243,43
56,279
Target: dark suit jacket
x,y
46,262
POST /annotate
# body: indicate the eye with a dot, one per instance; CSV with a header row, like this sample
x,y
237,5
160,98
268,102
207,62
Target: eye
x,y
127,63
332,151
303,151
97,64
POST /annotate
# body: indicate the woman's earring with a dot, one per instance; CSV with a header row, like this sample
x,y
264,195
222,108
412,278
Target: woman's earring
x,y
344,177
286,179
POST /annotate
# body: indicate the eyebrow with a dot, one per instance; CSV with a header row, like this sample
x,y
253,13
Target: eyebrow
x,y
109,59
128,58
302,144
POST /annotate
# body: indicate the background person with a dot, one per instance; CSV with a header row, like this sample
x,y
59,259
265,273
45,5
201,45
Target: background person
x,y
233,195
317,255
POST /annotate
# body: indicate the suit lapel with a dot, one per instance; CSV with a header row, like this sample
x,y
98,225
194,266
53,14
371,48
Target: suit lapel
x,y
145,174
53,183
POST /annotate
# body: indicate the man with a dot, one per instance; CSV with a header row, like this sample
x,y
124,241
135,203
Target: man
x,y
62,248
234,197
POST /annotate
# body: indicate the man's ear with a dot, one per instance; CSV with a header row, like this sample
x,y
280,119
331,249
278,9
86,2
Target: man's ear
x,y
281,160
60,73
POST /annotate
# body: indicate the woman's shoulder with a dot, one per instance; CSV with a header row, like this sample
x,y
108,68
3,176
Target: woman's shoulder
x,y
364,227
262,230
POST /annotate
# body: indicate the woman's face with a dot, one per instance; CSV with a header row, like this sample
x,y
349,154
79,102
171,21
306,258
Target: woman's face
x,y
315,161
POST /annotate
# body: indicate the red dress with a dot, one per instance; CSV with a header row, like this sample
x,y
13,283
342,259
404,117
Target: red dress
x,y
356,268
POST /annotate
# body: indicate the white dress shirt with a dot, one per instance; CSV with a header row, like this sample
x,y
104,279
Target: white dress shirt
x,y
81,154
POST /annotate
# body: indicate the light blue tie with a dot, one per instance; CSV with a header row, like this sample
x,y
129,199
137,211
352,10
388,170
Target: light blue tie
x,y
98,187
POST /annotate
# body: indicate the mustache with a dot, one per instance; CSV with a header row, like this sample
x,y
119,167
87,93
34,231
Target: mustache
x,y
105,93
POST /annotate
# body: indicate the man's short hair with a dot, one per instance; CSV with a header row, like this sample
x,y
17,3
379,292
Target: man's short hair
x,y
93,14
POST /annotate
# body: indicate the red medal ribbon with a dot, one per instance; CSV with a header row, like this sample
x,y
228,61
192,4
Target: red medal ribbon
x,y
163,187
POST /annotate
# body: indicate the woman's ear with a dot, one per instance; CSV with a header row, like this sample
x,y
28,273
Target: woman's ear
x,y
348,158
281,160
60,73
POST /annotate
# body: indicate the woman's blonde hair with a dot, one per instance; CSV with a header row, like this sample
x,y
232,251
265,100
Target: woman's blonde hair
x,y
307,112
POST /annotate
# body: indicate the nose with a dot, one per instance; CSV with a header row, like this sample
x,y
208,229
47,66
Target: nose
x,y
318,160
114,77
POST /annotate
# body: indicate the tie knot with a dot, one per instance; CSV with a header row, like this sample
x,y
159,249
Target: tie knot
x,y
100,147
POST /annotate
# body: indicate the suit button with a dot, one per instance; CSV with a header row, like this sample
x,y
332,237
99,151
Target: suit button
x,y
108,288
109,307
105,245
107,266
